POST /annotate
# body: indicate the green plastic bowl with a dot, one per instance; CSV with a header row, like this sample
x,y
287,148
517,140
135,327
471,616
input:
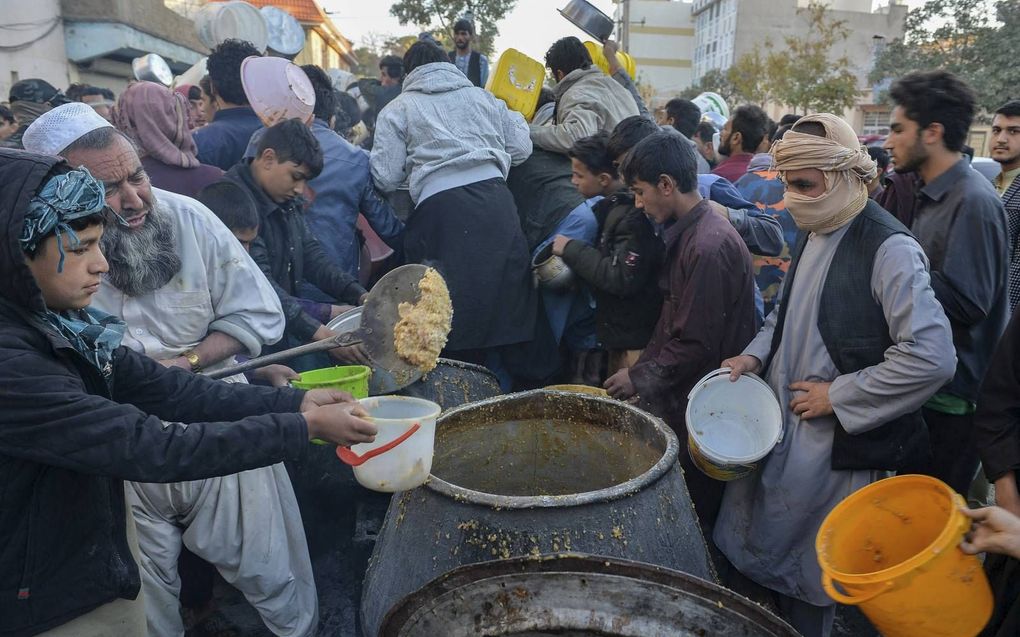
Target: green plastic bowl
x,y
349,378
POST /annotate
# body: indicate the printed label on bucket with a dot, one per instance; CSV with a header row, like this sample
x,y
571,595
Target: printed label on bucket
x,y
714,470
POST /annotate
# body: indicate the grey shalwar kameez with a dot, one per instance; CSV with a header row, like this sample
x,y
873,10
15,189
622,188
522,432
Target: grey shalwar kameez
x,y
768,520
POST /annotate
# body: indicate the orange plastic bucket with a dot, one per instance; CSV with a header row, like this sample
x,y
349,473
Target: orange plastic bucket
x,y
893,547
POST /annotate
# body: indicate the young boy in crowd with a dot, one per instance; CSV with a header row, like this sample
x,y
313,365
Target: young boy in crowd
x,y
622,269
287,157
708,283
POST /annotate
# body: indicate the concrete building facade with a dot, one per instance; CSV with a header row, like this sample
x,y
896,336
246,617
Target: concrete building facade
x,y
660,35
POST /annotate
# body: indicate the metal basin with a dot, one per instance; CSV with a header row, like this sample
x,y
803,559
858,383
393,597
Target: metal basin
x,y
586,17
552,271
533,474
577,595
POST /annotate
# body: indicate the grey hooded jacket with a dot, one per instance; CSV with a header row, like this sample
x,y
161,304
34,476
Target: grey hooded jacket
x,y
443,132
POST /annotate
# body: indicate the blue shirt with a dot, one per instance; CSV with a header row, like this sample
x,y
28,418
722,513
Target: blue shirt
x,y
462,61
222,141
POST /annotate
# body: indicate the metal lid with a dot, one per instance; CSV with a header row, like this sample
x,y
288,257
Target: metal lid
x,y
286,35
152,68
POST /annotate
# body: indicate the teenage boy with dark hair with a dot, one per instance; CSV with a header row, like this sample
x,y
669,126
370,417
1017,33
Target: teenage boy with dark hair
x,y
104,414
622,269
708,284
961,225
222,141
704,137
287,157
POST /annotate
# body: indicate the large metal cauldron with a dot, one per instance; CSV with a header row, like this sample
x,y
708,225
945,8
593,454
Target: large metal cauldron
x,y
532,474
577,595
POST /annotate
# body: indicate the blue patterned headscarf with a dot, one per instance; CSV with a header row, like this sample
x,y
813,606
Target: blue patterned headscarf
x,y
63,199
66,197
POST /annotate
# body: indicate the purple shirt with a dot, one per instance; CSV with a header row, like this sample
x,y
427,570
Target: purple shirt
x,y
183,181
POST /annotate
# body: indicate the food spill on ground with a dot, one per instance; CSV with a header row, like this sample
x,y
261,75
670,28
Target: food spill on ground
x,y
421,332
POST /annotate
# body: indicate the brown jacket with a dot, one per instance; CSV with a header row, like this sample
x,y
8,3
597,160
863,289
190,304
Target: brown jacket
x,y
707,312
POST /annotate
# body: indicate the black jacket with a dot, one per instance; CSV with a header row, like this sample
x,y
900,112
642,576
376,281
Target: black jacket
x,y
70,435
288,253
623,272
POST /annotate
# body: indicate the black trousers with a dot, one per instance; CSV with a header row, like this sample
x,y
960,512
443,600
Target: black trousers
x,y
954,456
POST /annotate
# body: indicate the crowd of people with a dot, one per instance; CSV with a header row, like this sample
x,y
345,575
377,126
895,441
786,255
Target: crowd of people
x,y
169,232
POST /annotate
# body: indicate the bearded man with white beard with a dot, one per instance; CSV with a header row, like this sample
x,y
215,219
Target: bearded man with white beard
x,y
192,298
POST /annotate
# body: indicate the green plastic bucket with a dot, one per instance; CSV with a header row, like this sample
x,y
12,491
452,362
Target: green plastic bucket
x,y
349,378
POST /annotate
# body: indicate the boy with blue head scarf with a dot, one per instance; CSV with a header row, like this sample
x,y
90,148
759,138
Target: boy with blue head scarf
x,y
82,414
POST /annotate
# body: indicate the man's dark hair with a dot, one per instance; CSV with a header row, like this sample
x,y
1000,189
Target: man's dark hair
x,y
392,66
968,152
91,91
593,152
752,123
628,133
772,129
423,52
781,132
789,119
232,204
810,128
75,91
881,157
224,66
98,139
939,96
194,92
6,115
705,132
206,85
464,25
1009,109
566,55
325,98
108,94
663,153
686,115
348,113
292,141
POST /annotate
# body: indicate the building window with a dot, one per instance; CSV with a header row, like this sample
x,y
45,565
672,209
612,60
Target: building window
x,y
876,122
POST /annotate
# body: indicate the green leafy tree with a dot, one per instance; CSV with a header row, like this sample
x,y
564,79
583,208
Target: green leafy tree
x,y
713,81
974,39
751,76
805,75
444,13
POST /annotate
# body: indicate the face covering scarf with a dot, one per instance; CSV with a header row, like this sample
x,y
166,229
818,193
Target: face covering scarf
x,y
847,168
63,199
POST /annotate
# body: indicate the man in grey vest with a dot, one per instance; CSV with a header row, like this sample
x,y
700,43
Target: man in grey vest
x,y
471,63
855,346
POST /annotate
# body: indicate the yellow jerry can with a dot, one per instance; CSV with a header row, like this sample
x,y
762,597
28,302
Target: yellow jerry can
x,y
626,61
517,80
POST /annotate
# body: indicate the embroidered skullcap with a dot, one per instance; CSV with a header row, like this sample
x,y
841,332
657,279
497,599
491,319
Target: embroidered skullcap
x,y
57,129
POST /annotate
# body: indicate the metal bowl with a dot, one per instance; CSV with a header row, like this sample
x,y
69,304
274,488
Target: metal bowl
x,y
552,271
152,68
346,322
285,33
586,17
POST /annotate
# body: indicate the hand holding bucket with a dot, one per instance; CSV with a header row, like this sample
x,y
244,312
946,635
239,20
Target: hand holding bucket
x,y
400,458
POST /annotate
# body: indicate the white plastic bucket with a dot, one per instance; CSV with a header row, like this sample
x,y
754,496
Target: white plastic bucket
x,y
731,425
401,456
219,21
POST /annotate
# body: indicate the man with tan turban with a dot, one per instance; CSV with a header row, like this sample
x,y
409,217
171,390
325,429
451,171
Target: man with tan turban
x,y
855,346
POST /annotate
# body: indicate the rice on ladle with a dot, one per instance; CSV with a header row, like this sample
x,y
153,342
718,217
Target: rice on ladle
x,y
420,334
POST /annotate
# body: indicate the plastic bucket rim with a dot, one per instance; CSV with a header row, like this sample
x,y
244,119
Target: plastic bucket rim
x,y
405,399
360,375
715,456
945,540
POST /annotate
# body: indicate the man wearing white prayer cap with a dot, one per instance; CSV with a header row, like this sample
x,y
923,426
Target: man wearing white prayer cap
x,y
192,298
855,346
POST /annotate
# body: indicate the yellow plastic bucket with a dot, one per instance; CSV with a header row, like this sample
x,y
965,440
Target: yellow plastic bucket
x,y
893,548
599,58
517,80
352,379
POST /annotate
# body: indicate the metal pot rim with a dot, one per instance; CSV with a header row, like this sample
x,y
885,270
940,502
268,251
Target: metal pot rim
x,y
615,492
